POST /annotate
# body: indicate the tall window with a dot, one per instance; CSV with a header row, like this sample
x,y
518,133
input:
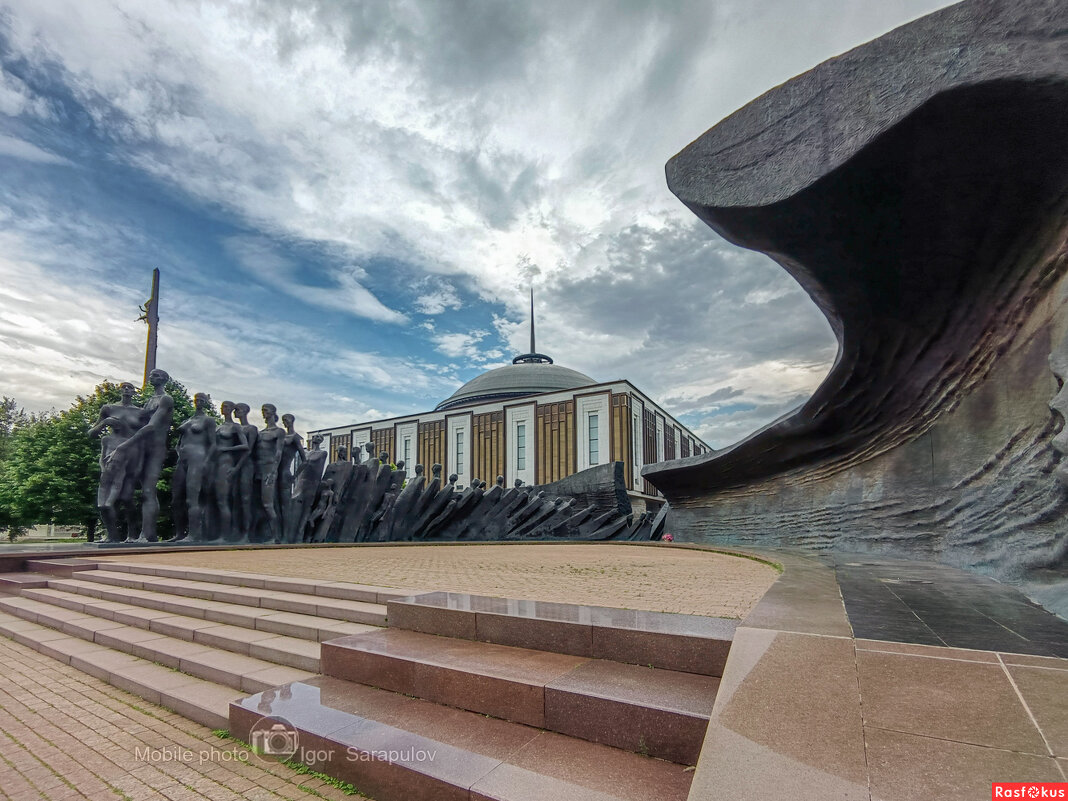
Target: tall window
x,y
408,452
636,439
460,453
521,446
595,440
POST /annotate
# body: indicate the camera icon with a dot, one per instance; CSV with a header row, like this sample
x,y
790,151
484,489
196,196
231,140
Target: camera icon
x,y
274,737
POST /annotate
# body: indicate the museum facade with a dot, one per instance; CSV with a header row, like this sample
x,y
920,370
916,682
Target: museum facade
x,y
535,421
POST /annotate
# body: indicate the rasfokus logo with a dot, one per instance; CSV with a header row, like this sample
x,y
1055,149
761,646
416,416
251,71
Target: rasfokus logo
x,y
1029,790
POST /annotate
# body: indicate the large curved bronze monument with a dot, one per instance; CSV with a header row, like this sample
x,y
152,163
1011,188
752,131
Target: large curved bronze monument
x,y
917,188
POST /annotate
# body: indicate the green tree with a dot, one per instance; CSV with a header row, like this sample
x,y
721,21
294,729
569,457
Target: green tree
x,y
12,419
53,469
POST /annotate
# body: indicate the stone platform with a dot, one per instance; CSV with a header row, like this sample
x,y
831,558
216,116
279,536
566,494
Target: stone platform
x,y
827,689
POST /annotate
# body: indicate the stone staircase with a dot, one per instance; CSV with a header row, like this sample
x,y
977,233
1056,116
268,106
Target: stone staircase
x,y
607,704
190,639
461,697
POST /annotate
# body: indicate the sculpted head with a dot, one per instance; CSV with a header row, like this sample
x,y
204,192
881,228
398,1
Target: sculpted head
x,y
270,413
242,410
158,378
128,390
202,401
316,441
288,420
227,408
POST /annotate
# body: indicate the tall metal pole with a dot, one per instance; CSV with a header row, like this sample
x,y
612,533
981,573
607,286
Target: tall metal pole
x,y
532,350
151,316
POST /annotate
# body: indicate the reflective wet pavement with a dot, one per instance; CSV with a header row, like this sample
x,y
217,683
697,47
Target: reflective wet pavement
x,y
932,604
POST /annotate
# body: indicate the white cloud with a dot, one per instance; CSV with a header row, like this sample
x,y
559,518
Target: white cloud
x,y
441,297
492,143
21,149
357,125
16,98
345,294
460,345
58,340
60,337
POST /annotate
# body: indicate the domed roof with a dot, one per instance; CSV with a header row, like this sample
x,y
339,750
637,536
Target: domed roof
x,y
516,381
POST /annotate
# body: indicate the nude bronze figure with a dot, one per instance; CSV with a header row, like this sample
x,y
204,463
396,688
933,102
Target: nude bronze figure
x,y
245,478
196,450
119,473
309,477
151,440
267,458
231,448
293,456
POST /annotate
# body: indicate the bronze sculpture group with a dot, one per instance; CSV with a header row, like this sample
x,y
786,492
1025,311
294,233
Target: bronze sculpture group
x,y
235,483
232,483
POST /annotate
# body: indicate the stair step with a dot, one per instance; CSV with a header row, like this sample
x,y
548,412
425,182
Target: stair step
x,y
61,567
158,604
329,589
397,748
307,604
658,712
202,701
195,658
290,651
687,643
13,582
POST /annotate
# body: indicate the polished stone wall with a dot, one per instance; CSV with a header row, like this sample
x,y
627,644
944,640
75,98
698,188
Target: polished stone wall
x,y
917,188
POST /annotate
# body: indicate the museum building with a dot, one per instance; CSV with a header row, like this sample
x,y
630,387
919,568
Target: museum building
x,y
531,420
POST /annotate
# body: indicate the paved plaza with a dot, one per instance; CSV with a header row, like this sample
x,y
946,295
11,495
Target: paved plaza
x,y
67,736
889,652
658,579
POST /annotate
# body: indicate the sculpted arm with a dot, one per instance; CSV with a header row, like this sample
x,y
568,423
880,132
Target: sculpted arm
x,y
279,447
102,423
248,451
159,421
242,445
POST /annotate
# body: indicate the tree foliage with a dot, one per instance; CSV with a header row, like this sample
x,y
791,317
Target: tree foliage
x,y
49,467
12,418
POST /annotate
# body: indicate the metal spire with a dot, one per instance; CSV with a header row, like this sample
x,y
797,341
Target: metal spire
x,y
532,348
533,357
150,314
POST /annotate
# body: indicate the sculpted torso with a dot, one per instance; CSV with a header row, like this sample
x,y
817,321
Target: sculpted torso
x,y
267,450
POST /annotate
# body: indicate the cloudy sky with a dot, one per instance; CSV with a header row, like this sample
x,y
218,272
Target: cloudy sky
x,y
348,200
